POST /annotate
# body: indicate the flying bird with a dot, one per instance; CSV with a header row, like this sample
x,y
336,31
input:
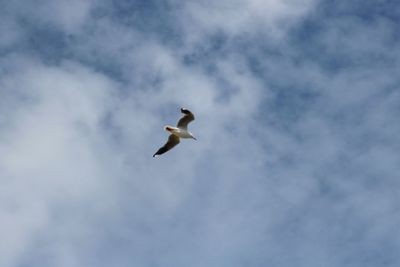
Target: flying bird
x,y
180,131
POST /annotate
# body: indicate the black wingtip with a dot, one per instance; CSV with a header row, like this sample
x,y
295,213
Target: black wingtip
x,y
185,111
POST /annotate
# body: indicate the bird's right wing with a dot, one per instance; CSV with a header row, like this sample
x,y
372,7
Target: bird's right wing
x,y
186,118
173,140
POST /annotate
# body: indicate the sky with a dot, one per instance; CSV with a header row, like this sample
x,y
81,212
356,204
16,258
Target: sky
x,y
297,158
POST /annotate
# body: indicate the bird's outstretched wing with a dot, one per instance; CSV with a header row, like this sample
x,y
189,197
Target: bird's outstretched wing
x,y
173,140
184,121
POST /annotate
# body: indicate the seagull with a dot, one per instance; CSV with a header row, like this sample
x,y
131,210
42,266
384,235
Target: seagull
x,y
180,131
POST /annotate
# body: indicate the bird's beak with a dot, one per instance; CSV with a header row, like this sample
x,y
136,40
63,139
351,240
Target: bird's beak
x,y
194,138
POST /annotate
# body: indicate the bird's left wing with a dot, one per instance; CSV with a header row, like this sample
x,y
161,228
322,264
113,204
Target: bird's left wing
x,y
173,140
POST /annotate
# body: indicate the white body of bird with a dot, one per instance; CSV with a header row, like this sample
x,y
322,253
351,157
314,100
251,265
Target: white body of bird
x,y
181,133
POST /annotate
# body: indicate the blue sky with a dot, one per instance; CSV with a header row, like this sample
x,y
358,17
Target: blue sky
x,y
296,106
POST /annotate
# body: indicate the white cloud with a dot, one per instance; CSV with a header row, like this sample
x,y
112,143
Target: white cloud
x,y
237,18
48,145
69,16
